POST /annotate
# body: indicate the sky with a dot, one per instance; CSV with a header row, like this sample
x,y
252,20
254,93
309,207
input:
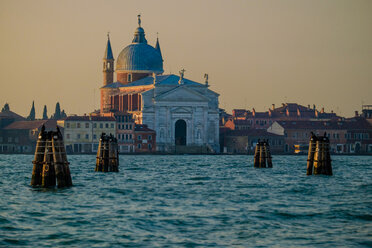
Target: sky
x,y
257,53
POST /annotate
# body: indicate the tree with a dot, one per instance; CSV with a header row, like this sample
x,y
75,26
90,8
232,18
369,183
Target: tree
x,y
31,116
63,114
45,115
57,113
5,108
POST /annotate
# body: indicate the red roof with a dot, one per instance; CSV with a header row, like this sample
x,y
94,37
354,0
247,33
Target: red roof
x,y
251,132
288,110
142,128
356,123
11,114
29,125
89,118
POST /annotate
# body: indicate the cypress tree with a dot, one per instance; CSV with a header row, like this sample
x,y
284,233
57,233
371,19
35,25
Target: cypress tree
x,y
31,116
63,114
45,115
57,113
5,108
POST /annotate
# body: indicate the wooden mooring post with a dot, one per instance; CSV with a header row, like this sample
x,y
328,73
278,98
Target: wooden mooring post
x,y
319,157
50,162
107,154
262,155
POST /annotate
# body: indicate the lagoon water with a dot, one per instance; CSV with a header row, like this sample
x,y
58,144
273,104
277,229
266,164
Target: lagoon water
x,y
189,201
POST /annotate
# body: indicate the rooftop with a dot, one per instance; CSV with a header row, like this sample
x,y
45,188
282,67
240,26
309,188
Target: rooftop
x,y
251,132
29,125
355,123
11,114
89,118
142,128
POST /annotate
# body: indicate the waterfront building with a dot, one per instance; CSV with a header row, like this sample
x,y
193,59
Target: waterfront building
x,y
144,139
21,136
244,141
366,113
347,136
182,112
82,133
124,130
245,119
7,117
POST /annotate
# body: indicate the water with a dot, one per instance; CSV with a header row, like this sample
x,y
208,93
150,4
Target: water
x,y
189,201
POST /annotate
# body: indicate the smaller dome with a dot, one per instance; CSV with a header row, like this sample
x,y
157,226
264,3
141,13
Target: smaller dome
x,y
139,30
139,36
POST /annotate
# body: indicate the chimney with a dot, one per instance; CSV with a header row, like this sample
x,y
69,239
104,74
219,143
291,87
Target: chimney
x,y
356,113
273,107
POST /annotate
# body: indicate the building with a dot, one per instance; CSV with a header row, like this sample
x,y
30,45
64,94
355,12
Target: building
x,y
82,133
7,117
366,113
245,119
347,136
124,130
182,112
144,139
21,136
244,141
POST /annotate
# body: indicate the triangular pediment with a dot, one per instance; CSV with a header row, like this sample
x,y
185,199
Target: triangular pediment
x,y
181,94
181,110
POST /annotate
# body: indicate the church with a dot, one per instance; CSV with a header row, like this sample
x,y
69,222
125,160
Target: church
x,y
183,113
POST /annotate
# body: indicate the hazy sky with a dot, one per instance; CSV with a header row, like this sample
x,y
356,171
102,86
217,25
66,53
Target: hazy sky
x,y
256,52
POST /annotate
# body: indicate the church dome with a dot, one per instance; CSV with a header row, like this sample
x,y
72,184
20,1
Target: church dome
x,y
139,56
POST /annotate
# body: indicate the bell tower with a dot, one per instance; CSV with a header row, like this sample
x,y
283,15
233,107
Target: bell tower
x,y
108,77
108,64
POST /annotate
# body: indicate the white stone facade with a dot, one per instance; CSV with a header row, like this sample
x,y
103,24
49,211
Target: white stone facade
x,y
164,105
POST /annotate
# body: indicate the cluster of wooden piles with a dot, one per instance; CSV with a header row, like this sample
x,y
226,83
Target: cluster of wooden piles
x,y
107,154
50,162
319,158
262,155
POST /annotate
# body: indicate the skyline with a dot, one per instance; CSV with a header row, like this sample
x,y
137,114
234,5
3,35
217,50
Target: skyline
x,y
256,53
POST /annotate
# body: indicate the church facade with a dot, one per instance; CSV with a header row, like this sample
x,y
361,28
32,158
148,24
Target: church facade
x,y
183,113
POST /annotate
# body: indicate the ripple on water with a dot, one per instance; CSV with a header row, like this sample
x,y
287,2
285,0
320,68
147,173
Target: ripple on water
x,y
189,201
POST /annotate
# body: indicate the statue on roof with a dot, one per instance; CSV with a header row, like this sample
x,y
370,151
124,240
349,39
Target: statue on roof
x,y
206,79
139,20
182,73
